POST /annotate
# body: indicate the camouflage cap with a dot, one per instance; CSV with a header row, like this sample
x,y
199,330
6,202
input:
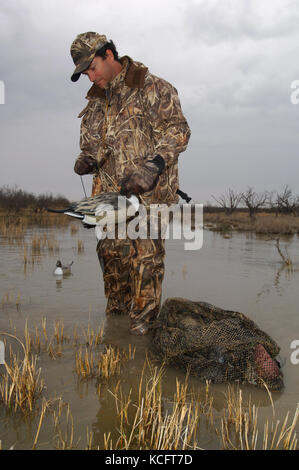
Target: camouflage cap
x,y
83,50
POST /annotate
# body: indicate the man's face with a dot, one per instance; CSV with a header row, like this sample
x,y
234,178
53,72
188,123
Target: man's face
x,y
101,72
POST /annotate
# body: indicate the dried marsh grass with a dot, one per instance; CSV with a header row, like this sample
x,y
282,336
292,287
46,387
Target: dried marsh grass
x,y
64,427
102,365
51,339
74,229
21,384
263,223
80,246
147,423
240,427
92,337
13,233
9,298
42,244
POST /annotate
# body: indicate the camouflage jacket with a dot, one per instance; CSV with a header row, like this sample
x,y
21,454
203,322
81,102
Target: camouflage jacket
x,y
136,118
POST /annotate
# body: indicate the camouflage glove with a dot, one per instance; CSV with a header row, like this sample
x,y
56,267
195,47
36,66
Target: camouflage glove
x,y
144,179
85,165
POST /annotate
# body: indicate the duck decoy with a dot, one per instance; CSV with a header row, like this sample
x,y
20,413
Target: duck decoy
x,y
110,205
60,269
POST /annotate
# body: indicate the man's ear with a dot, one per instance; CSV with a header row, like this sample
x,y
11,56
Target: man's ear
x,y
109,54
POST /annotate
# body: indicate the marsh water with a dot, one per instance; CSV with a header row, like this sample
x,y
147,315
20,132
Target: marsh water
x,y
243,272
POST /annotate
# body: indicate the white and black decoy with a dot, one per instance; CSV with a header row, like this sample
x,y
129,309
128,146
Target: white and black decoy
x,y
60,269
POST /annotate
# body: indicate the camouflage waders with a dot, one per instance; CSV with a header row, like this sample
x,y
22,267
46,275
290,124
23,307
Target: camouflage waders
x,y
133,272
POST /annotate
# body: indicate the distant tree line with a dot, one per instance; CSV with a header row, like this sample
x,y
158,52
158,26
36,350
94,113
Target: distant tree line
x,y
284,202
14,199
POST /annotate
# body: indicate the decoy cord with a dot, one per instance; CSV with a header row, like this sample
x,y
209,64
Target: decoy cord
x,y
83,186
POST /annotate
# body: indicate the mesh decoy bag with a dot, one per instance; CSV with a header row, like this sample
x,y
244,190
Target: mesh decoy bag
x,y
215,344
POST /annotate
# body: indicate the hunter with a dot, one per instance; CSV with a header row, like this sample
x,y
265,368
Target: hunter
x,y
132,132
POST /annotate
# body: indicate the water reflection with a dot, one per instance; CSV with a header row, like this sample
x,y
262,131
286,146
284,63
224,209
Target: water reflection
x,y
59,282
289,273
59,279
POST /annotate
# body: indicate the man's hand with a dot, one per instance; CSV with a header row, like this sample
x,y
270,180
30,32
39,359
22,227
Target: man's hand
x,y
85,165
144,178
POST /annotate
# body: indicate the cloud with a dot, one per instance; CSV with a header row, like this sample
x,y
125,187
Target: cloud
x,y
232,62
214,21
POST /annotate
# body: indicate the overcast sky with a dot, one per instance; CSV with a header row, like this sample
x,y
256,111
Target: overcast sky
x,y
232,62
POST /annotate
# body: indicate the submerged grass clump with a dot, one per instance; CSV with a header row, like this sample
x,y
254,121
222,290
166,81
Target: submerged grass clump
x,y
13,229
148,422
21,384
41,244
102,365
64,427
93,337
240,427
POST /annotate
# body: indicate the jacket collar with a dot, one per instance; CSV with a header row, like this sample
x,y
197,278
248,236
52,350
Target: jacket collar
x,y
132,74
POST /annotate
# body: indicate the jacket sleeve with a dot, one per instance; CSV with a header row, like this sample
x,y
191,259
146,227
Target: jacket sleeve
x,y
88,144
171,132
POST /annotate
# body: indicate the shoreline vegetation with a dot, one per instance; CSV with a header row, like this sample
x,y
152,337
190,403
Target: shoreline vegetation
x,y
264,223
269,213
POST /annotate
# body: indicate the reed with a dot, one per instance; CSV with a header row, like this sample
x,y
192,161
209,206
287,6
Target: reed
x,y
45,406
25,255
59,334
12,230
17,301
240,427
14,225
154,425
149,422
38,339
75,336
42,244
89,438
74,229
80,247
111,361
92,337
52,245
9,299
36,245
20,384
44,328
64,427
6,298
264,223
102,365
